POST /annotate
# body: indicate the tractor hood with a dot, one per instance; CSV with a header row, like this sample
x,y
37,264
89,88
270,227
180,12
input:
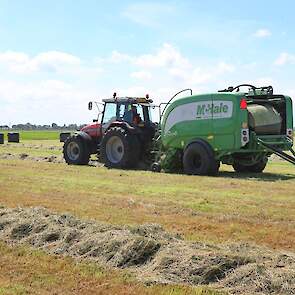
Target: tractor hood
x,y
93,130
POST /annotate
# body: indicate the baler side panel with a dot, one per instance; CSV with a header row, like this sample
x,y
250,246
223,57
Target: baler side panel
x,y
226,122
187,121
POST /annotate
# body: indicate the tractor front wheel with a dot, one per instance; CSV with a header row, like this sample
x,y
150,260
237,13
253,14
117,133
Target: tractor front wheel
x,y
75,151
120,149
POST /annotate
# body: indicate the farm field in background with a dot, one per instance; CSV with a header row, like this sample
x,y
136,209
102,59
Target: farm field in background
x,y
250,208
36,134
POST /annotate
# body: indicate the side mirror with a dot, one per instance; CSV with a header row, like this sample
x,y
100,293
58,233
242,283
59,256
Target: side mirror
x,y
90,105
95,120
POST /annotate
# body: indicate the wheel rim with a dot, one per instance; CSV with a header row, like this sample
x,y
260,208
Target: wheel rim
x,y
115,149
73,151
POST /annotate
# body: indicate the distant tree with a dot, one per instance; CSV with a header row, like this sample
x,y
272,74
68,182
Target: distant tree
x,y
4,127
72,127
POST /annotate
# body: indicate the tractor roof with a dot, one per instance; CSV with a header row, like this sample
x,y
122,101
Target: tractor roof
x,y
126,99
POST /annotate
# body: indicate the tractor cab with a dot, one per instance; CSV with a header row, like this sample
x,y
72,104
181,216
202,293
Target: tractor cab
x,y
132,111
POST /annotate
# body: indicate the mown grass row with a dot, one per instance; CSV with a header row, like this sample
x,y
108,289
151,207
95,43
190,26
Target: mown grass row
x,y
26,271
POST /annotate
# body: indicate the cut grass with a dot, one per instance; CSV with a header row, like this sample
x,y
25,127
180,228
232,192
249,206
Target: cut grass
x,y
34,148
215,209
26,271
228,208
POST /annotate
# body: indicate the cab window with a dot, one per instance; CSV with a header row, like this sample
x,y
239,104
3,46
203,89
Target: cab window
x,y
109,112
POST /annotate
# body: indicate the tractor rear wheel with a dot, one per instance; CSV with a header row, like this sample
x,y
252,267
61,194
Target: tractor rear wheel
x,y
120,149
198,159
75,151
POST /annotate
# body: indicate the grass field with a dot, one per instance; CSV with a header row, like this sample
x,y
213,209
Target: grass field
x,y
36,134
254,208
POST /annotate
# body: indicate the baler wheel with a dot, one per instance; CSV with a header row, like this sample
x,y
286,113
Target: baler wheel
x,y
255,168
258,167
156,167
75,151
240,168
198,159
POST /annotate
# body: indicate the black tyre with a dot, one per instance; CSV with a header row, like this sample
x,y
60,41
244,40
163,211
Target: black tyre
x,y
120,149
240,168
198,159
256,168
156,167
75,151
259,167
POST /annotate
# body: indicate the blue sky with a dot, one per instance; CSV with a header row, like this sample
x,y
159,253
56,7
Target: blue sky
x,y
56,55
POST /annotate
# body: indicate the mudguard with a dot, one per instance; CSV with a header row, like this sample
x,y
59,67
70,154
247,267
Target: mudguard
x,y
88,141
126,126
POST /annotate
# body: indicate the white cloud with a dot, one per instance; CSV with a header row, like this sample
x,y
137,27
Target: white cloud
x,y
44,102
51,61
141,75
201,75
62,97
262,33
285,58
148,14
54,60
13,57
118,57
166,56
168,63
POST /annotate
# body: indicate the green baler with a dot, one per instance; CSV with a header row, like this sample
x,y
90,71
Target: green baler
x,y
237,128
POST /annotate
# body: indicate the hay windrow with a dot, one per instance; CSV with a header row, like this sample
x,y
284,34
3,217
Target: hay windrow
x,y
154,255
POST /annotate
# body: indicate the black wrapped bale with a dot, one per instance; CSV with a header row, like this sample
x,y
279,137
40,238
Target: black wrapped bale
x,y
64,136
1,138
264,119
13,137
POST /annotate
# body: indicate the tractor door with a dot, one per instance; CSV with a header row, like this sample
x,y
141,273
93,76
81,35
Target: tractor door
x,y
109,115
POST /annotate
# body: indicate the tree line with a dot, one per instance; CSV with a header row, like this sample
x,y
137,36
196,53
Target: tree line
x,y
53,126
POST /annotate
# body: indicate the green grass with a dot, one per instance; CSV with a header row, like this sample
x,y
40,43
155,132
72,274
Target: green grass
x,y
258,208
36,134
255,208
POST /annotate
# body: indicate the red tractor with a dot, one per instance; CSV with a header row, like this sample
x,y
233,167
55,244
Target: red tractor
x,y
122,138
